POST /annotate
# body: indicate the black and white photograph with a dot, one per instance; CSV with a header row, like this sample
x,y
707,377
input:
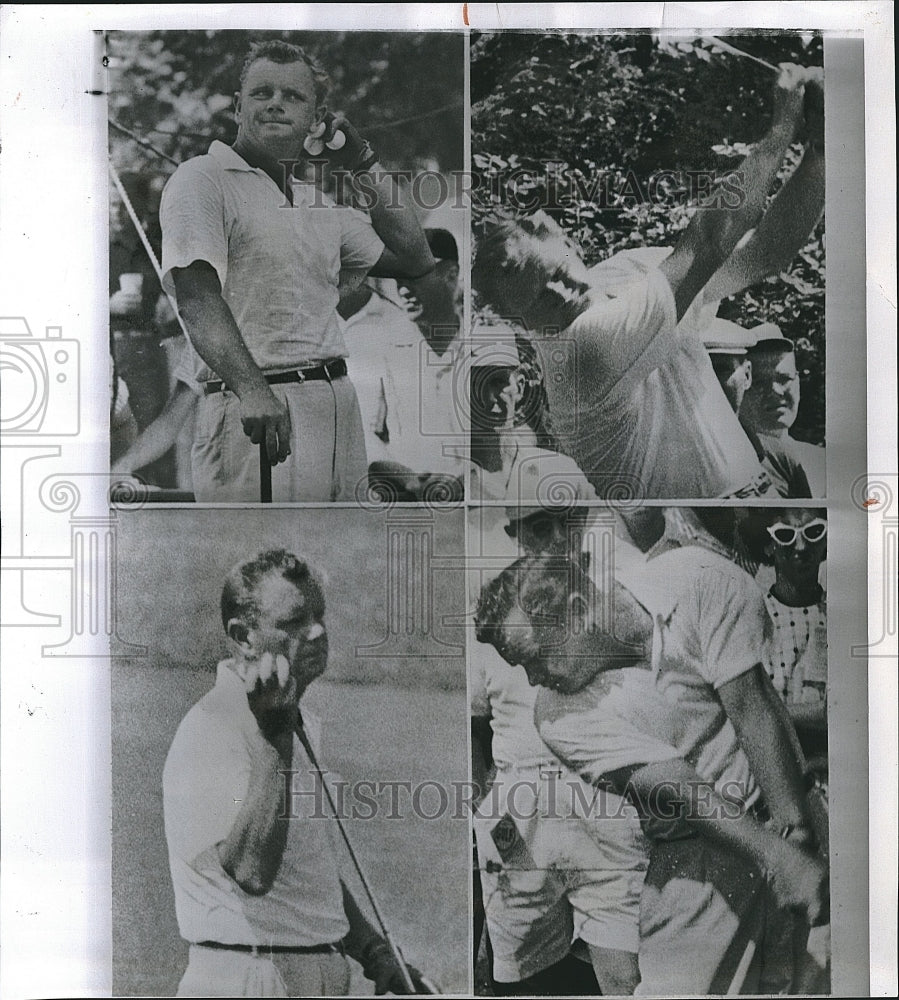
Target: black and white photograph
x,y
286,222
648,706
289,763
449,488
649,262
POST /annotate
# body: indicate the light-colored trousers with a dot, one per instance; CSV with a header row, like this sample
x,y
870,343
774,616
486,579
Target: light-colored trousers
x,y
327,460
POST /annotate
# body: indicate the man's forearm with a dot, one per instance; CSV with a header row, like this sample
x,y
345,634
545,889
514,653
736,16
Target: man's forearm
x,y
395,222
781,234
162,433
721,229
215,336
251,853
665,790
765,732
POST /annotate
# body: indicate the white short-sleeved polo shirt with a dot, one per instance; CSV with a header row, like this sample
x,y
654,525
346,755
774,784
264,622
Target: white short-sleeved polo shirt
x,y
279,264
205,782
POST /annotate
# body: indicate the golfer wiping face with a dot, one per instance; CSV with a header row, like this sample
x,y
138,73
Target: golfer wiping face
x,y
258,891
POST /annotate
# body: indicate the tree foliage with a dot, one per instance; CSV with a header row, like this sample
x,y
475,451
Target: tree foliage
x,y
579,124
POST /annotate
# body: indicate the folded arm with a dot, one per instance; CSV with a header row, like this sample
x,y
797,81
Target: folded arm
x,y
251,853
673,787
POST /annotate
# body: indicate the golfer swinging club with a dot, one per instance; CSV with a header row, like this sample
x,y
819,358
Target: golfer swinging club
x,y
258,891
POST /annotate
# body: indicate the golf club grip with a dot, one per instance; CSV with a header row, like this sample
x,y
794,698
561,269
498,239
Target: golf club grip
x,y
265,475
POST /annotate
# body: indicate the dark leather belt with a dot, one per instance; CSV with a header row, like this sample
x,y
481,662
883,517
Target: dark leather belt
x,y
320,373
276,949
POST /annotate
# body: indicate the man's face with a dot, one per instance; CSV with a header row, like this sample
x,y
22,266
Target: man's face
x,y
799,563
291,622
734,373
771,404
276,108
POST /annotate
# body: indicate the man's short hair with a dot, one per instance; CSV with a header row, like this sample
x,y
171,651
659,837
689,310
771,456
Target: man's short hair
x,y
286,52
514,259
496,600
239,593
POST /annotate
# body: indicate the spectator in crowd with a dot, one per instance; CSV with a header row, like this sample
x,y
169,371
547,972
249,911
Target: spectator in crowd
x,y
140,318
771,404
729,347
511,447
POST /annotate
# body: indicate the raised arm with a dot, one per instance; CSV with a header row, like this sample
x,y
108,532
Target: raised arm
x,y
780,235
251,853
217,339
713,233
406,252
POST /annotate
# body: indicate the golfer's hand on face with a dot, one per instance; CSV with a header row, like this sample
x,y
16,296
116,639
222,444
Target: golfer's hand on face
x,y
266,419
271,694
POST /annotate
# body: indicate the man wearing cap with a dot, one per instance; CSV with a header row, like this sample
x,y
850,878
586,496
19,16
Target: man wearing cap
x,y
633,400
771,404
252,850
513,453
728,345
256,259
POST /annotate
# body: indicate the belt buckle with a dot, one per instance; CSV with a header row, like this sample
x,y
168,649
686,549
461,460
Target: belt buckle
x,y
301,377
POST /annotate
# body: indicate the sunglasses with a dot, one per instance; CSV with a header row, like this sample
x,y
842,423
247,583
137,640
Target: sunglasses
x,y
786,534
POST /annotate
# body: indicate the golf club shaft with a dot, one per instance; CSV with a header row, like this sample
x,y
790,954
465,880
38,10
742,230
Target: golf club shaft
x,y
404,969
265,475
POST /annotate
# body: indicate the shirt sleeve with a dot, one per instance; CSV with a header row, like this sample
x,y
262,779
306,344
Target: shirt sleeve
x,y
193,222
205,780
734,626
360,245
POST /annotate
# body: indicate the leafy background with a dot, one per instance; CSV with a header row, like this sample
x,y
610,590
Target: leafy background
x,y
642,103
